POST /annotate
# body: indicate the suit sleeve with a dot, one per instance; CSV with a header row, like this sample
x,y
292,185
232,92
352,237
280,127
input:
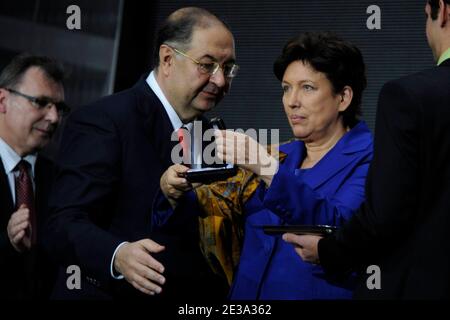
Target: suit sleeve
x,y
391,188
297,203
83,194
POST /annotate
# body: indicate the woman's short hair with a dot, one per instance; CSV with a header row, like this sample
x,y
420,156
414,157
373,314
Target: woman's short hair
x,y
339,60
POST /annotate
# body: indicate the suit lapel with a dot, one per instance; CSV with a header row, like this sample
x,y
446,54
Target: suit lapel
x,y
6,200
44,175
157,126
330,165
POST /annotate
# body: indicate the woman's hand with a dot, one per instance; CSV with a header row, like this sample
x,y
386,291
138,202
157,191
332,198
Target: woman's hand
x,y
242,150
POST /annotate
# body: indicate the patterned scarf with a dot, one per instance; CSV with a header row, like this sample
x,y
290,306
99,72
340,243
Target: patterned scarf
x,y
221,224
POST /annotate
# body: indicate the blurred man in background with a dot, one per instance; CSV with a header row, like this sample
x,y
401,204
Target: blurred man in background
x,y
31,108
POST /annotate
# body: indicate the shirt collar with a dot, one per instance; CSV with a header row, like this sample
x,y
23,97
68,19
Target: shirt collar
x,y
10,158
444,56
173,116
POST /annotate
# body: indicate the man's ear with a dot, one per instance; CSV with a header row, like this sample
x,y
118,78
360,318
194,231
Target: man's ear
x,y
443,13
3,98
166,56
346,96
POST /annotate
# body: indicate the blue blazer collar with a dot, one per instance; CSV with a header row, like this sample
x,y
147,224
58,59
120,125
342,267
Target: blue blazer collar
x,y
357,140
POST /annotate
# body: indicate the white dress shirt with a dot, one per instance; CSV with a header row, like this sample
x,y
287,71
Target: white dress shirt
x,y
196,146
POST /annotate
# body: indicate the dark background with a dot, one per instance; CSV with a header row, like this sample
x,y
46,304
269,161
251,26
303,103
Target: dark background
x,y
114,47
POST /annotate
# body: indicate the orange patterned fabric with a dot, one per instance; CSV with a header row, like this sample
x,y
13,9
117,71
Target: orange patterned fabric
x,y
221,223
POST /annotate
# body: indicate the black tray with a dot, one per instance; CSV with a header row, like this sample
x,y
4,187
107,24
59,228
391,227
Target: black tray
x,y
320,230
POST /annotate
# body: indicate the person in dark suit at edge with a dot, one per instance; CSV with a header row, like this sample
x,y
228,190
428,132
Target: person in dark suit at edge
x,y
113,154
31,108
403,226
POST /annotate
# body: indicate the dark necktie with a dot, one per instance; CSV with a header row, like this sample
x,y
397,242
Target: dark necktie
x,y
25,195
183,133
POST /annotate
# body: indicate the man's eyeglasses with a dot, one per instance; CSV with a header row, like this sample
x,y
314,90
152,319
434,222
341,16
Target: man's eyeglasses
x,y
229,70
43,103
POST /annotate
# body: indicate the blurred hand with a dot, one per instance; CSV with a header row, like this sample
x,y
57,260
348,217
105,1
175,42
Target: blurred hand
x,y
305,246
17,229
134,261
242,150
174,185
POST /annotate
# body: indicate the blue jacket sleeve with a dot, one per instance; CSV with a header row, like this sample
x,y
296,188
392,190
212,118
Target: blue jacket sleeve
x,y
163,211
291,198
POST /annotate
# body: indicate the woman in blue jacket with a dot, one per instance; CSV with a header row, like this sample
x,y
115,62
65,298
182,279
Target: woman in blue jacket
x,y
317,180
321,179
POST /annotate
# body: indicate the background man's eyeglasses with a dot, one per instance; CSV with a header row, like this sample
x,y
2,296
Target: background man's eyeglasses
x,y
229,70
43,103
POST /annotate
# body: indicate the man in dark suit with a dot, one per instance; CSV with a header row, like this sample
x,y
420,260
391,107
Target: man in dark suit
x,y
403,227
112,156
31,95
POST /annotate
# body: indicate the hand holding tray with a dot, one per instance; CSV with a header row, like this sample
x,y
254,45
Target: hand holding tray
x,y
210,174
318,230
